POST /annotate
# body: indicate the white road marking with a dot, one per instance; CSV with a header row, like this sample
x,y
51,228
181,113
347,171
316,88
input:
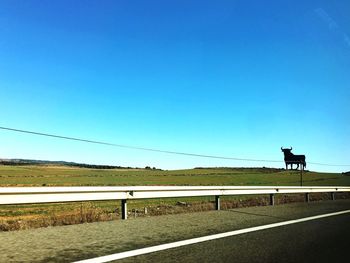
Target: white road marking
x,y
147,250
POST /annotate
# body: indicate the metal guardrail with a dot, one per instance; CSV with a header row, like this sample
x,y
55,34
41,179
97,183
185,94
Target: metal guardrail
x,y
36,195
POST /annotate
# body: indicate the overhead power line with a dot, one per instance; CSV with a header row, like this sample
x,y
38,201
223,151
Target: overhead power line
x,y
135,147
152,149
328,164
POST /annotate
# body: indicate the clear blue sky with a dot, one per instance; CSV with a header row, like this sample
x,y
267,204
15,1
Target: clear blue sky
x,y
229,78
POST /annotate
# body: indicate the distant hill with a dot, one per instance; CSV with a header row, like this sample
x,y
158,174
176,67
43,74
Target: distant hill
x,y
18,162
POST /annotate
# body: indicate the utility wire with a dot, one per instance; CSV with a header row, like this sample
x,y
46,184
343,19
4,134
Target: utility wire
x,y
152,149
328,164
135,147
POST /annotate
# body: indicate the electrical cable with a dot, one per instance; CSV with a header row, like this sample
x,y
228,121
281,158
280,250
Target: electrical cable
x,y
152,149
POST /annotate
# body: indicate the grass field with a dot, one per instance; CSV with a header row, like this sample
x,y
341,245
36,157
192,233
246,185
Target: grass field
x,y
36,175
27,216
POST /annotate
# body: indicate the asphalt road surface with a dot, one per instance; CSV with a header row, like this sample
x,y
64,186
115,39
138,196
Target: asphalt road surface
x,y
325,240
321,240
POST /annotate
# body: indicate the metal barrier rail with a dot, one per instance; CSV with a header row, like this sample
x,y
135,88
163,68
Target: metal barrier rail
x,y
35,195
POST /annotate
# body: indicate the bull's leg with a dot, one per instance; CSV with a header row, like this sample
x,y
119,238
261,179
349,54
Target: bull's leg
x,y
297,166
291,166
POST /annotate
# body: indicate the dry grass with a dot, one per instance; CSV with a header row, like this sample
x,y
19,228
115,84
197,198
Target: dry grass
x,y
88,212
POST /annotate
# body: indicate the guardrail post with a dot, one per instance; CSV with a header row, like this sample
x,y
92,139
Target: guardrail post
x,y
272,199
217,202
333,196
307,197
124,209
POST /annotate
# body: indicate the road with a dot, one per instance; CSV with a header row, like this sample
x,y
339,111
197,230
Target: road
x,y
321,240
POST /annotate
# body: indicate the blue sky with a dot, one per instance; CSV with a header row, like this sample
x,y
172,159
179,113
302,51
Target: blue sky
x,y
229,78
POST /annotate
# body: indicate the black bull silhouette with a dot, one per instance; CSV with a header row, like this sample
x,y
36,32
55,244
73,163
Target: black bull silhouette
x,y
290,159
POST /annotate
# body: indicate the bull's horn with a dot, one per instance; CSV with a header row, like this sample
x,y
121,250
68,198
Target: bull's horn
x,y
282,148
291,148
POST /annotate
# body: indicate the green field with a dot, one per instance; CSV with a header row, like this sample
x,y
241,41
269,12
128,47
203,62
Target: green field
x,y
36,175
26,216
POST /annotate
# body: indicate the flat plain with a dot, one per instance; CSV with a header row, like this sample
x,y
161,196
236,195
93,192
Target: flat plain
x,y
43,175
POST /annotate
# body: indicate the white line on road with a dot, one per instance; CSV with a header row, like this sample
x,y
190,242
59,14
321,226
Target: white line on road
x,y
147,250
